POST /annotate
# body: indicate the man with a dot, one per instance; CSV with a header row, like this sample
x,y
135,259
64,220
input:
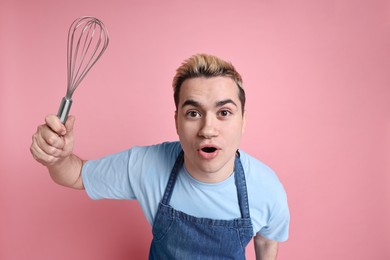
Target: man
x,y
205,198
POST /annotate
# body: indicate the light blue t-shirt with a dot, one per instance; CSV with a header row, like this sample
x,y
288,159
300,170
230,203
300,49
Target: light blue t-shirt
x,y
142,173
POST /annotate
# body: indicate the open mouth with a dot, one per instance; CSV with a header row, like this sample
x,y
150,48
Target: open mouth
x,y
209,149
208,152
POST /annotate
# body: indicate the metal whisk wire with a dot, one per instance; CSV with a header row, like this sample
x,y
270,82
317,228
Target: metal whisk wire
x,y
87,41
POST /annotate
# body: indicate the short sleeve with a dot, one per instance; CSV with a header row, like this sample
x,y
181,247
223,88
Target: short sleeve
x,y
108,177
277,226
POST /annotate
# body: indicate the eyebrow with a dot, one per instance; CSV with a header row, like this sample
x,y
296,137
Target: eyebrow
x,y
191,102
224,102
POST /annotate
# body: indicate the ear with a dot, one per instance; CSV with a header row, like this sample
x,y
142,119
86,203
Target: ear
x,y
243,122
177,131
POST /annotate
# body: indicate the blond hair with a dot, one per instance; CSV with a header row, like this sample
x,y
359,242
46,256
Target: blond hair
x,y
205,65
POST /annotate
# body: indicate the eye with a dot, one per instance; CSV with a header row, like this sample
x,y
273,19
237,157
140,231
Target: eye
x,y
225,113
193,114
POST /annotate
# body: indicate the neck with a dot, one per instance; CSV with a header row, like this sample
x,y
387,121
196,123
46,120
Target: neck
x,y
207,174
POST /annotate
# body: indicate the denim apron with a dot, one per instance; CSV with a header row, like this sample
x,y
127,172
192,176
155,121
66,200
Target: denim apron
x,y
177,235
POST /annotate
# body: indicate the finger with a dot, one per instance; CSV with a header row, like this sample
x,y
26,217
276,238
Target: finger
x,y
54,123
53,149
40,156
69,123
46,136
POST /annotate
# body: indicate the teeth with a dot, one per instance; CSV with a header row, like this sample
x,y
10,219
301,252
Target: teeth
x,y
209,149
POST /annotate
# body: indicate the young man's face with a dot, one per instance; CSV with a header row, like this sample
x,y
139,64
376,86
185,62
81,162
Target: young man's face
x,y
210,123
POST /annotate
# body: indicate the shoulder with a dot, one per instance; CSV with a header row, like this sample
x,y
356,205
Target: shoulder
x,y
264,186
153,162
163,152
257,170
165,147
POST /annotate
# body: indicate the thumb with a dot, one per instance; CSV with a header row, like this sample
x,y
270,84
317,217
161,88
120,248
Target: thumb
x,y
69,124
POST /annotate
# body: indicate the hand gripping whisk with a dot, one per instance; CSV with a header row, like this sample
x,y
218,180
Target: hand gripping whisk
x,y
87,40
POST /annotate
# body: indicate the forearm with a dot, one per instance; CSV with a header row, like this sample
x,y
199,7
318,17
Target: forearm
x,y
265,249
67,172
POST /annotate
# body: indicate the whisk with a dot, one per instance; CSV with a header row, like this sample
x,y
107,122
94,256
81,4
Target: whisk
x,y
87,41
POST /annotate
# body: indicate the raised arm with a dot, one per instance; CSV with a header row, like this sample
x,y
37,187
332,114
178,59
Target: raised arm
x,y
52,146
265,249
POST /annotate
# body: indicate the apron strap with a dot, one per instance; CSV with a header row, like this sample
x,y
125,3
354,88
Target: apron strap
x,y
172,178
242,192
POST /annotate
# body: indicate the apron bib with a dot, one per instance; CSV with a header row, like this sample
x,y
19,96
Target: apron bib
x,y
177,235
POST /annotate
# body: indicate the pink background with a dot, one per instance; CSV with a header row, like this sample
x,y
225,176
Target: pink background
x,y
317,76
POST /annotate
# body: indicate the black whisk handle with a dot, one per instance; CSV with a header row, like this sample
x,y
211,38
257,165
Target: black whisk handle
x,y
64,109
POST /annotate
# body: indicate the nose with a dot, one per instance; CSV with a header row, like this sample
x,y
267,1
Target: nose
x,y
209,128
